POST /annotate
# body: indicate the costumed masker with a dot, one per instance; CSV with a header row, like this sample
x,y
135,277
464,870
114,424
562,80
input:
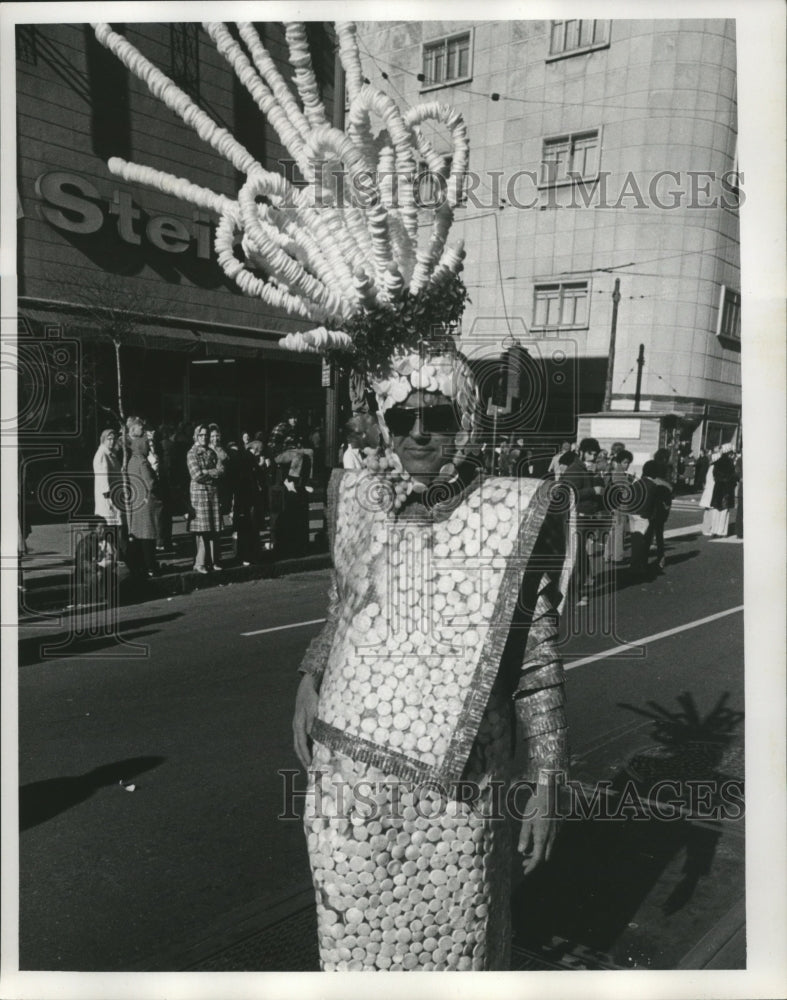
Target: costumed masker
x,y
441,633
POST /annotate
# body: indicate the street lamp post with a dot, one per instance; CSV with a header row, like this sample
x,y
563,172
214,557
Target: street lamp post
x,y
333,388
612,335
640,364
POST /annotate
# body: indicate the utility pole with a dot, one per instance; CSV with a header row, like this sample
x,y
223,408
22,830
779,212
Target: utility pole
x,y
333,389
640,366
613,333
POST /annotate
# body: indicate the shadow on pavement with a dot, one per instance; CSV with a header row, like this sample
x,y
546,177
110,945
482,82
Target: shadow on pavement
x,y
626,578
40,801
110,633
624,868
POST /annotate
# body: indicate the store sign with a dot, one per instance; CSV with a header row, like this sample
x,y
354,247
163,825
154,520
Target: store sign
x,y
626,428
73,204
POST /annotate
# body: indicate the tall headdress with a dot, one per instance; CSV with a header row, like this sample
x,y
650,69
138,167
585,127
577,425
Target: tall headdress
x,y
351,257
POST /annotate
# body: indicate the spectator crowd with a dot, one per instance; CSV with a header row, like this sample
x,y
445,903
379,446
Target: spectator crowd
x,y
146,477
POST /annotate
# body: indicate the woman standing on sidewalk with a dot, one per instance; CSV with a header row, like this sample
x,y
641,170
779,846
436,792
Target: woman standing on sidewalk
x,y
205,514
224,481
144,508
707,496
723,498
620,484
106,472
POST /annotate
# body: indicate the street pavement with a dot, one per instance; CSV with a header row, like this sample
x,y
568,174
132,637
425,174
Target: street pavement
x,y
149,791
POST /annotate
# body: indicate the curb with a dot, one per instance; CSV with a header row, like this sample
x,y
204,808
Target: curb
x,y
724,945
56,597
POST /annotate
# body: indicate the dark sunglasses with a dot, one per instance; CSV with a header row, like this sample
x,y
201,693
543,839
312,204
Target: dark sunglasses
x,y
434,419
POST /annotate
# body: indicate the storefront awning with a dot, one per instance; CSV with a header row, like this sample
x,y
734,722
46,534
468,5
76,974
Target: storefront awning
x,y
200,340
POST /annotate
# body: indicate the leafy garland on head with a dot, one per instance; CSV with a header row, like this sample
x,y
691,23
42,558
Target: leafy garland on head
x,y
377,333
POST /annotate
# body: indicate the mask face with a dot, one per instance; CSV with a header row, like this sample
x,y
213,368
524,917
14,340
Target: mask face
x,y
424,430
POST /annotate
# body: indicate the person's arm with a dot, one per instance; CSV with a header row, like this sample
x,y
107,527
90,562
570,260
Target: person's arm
x,y
539,700
315,658
197,472
312,669
101,472
146,480
540,712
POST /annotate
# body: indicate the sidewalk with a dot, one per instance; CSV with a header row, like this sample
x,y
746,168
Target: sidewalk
x,y
47,575
47,578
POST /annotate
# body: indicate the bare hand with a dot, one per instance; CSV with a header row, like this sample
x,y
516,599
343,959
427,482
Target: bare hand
x,y
539,830
306,702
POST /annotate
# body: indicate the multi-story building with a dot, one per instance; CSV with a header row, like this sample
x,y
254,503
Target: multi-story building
x,y
601,152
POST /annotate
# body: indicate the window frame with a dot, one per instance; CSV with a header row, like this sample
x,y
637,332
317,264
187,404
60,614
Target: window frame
x,y
444,40
561,285
570,138
422,170
580,49
731,296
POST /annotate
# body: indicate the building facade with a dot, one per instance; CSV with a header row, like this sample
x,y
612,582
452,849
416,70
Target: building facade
x,y
601,151
100,259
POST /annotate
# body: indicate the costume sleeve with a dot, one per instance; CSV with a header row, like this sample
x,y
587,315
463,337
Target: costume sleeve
x,y
318,650
316,656
539,696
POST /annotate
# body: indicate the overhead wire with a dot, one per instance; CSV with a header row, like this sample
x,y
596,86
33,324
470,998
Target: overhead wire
x,y
541,101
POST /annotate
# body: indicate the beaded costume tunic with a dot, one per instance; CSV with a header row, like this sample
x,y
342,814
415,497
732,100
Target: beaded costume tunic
x,y
417,695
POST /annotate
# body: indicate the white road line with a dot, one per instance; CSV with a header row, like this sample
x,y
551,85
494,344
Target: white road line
x,y
651,638
279,628
690,529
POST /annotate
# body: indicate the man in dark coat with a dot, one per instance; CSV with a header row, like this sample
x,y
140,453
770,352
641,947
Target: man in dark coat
x,y
578,471
660,507
144,509
701,469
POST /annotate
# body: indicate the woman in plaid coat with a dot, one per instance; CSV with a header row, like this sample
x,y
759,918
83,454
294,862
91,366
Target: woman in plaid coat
x,y
205,514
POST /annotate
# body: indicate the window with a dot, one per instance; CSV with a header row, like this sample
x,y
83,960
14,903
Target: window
x,y
431,186
184,56
568,158
561,304
569,38
447,60
729,327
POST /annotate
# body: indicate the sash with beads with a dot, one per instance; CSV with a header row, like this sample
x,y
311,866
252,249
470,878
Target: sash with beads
x,y
425,608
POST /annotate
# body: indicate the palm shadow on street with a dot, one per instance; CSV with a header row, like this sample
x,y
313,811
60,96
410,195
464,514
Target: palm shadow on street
x,y
40,801
604,869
